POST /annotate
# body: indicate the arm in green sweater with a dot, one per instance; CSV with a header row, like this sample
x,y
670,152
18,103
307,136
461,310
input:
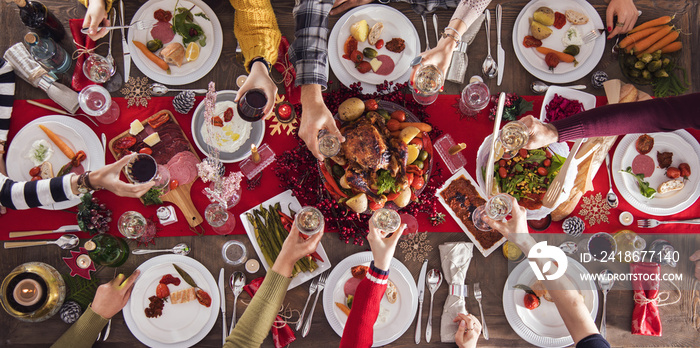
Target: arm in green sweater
x,y
255,324
83,333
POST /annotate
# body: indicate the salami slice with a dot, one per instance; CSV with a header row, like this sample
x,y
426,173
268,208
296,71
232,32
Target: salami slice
x,y
643,164
183,167
163,31
387,65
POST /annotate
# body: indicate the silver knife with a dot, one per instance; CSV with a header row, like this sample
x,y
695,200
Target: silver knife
x,y
500,52
425,29
489,164
421,292
67,228
125,46
435,25
222,293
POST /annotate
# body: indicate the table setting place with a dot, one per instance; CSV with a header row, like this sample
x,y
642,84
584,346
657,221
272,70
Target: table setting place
x,y
157,166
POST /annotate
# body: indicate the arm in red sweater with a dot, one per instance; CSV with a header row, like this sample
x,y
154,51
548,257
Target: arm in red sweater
x,y
359,328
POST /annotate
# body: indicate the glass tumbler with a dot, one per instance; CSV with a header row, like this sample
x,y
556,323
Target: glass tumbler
x,y
96,101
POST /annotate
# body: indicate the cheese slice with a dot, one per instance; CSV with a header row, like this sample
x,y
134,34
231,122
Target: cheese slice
x,y
152,139
135,127
375,64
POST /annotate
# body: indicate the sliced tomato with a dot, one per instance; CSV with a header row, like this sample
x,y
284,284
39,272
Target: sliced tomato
x,y
124,143
146,150
375,205
228,114
203,298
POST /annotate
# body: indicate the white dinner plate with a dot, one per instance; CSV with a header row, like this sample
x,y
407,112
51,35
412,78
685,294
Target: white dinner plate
x,y
396,25
286,200
188,72
588,100
181,325
533,61
398,316
243,152
76,134
543,326
685,149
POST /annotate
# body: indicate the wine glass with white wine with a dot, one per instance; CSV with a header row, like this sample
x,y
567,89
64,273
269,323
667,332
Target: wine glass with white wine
x,y
496,208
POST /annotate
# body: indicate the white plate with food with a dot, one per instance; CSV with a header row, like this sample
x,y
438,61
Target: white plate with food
x,y
287,201
534,62
181,324
76,134
394,318
189,71
474,234
685,149
233,140
543,325
398,27
586,99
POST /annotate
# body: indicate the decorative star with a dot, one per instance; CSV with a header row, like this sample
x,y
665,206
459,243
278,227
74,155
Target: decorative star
x,y
595,209
415,246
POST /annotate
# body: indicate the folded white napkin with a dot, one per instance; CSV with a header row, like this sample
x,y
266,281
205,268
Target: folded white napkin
x,y
455,263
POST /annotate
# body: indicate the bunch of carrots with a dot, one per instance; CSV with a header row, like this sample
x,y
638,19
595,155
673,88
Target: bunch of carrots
x,y
652,36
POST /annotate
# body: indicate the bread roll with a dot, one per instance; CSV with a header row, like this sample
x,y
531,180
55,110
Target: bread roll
x,y
375,33
576,18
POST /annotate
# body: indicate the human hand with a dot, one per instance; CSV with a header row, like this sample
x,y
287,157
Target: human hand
x,y
696,258
468,331
440,56
112,297
515,229
294,248
540,134
107,177
315,116
340,6
383,248
259,78
95,16
626,13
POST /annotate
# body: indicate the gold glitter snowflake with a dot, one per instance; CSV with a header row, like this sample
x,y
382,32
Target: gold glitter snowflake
x,y
276,126
595,209
415,246
136,91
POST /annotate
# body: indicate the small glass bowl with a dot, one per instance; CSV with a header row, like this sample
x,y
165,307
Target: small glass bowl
x,y
234,252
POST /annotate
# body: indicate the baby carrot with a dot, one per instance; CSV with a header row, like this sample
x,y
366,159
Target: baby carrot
x,y
672,36
155,59
59,143
561,55
645,43
343,308
423,127
672,47
633,38
652,23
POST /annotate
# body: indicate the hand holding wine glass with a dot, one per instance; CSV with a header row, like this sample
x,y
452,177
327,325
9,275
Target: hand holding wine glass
x,y
257,95
107,177
539,134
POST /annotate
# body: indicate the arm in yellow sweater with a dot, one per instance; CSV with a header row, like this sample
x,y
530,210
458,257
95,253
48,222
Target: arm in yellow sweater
x,y
83,333
255,26
108,4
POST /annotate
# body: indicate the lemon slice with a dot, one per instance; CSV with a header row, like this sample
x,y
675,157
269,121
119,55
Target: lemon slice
x,y
192,52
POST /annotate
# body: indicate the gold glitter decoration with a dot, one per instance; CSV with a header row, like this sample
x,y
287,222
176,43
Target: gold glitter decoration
x,y
415,246
595,209
137,91
276,127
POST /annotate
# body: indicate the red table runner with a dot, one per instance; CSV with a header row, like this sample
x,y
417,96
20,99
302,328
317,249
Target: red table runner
x,y
444,116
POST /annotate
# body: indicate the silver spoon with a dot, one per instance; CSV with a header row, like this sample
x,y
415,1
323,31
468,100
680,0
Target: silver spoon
x,y
66,241
160,89
605,283
489,68
180,249
611,197
433,281
541,87
237,281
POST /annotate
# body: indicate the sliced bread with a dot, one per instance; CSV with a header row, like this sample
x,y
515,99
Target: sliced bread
x,y
375,33
576,18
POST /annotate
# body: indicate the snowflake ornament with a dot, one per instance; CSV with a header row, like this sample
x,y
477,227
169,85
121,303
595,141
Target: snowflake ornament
x,y
415,246
137,91
595,209
276,127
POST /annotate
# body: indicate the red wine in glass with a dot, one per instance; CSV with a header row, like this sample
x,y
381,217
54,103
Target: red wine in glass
x,y
602,246
142,168
251,107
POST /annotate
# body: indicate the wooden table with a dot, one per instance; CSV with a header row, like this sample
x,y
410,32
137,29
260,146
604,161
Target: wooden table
x,y
491,272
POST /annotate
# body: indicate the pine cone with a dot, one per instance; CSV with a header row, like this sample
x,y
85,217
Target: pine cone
x,y
184,102
70,312
573,226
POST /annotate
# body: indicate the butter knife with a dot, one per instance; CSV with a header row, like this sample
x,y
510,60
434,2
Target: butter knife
x,y
435,26
500,52
125,46
488,180
62,229
222,293
421,292
425,29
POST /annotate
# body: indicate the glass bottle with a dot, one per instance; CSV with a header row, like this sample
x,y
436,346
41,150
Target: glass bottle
x,y
458,65
627,240
48,53
38,18
107,250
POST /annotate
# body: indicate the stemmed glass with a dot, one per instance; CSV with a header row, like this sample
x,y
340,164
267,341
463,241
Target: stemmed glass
x,y
132,224
428,82
98,68
386,220
496,208
514,135
475,97
143,168
221,221
328,144
96,101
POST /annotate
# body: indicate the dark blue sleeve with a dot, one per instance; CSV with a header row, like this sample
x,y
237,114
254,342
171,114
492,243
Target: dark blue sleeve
x,y
593,341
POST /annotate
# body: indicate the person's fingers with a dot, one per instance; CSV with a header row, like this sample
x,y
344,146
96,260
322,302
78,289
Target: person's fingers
x,y
609,20
129,282
617,29
695,256
397,234
124,160
459,335
312,243
333,129
629,22
117,280
270,102
86,21
460,316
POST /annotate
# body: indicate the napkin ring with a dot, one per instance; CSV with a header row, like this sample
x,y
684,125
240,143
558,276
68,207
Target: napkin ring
x,y
461,290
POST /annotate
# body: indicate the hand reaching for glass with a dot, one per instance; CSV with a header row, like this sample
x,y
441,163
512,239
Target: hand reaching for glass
x,y
383,248
315,117
112,297
95,17
259,78
294,248
107,177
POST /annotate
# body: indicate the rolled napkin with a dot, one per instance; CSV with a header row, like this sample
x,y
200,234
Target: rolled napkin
x,y
645,317
455,263
79,80
289,75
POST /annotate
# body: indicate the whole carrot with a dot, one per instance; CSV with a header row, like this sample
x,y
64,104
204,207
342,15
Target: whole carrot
x,y
645,43
423,127
59,143
155,59
561,55
672,47
633,38
652,23
672,36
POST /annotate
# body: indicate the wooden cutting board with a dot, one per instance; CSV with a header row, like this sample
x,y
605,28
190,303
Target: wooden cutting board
x,y
180,196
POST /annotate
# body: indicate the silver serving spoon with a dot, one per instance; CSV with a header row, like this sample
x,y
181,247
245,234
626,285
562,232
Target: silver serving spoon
x,y
180,249
489,68
236,282
66,241
160,89
417,60
605,283
611,197
433,281
541,87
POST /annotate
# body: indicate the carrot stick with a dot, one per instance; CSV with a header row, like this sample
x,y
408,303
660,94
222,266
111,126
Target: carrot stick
x,y
155,59
642,45
59,143
423,127
672,47
652,23
343,308
672,36
633,38
567,58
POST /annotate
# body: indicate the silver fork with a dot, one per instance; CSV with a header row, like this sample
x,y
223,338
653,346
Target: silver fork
x,y
651,223
477,296
592,35
138,25
321,284
109,56
312,290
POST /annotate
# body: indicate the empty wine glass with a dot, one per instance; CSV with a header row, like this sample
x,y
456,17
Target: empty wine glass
x,y
427,84
496,208
96,101
97,68
475,97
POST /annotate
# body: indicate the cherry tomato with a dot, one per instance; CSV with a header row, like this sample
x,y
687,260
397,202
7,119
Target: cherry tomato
x,y
379,44
392,196
531,301
375,205
392,125
363,67
418,182
547,162
531,41
673,172
371,105
35,171
174,184
356,56
548,153
523,153
502,163
552,60
398,115
35,178
542,171
502,172
228,114
146,150
685,169
162,291
203,298
418,142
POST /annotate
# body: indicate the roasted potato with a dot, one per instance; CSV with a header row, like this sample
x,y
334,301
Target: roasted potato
x,y
358,203
408,133
540,31
404,198
544,16
351,109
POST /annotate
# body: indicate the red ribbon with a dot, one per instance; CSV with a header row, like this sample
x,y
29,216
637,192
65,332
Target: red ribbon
x,y
645,317
289,75
79,80
280,336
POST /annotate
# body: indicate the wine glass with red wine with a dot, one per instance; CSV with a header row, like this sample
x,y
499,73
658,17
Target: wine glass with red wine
x,y
143,168
251,106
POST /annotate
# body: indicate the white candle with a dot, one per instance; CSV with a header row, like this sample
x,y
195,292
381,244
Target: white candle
x,y
27,292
